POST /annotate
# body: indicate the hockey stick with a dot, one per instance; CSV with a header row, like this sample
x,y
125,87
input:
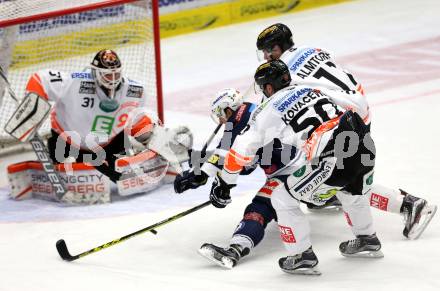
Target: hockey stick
x,y
41,151
196,157
65,255
8,85
203,152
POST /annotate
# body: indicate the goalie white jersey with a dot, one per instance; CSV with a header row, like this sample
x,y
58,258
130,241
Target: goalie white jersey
x,y
316,67
83,112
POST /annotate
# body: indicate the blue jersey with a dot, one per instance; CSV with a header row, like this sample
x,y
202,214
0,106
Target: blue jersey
x,y
268,158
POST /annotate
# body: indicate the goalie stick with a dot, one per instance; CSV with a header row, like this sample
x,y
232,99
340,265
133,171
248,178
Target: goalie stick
x,y
63,251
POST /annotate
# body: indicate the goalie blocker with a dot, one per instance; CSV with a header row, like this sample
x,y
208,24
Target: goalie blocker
x,y
28,117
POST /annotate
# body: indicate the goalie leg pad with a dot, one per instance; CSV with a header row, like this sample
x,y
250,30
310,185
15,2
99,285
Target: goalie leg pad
x,y
19,182
85,185
141,173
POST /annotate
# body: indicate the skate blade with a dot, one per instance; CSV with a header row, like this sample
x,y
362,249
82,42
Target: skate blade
x,y
428,213
365,254
209,254
304,271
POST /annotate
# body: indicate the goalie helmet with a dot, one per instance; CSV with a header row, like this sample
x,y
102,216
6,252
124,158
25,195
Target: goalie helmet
x,y
106,69
275,73
226,98
276,34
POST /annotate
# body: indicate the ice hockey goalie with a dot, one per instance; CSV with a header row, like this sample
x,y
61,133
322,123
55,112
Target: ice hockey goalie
x,y
103,139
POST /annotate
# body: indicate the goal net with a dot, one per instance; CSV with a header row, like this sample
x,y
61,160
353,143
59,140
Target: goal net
x,y
65,35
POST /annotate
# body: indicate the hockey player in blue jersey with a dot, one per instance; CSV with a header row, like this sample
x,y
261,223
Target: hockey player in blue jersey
x,y
229,109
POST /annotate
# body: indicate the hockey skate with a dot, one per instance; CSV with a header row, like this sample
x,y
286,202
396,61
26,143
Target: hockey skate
x,y
417,214
302,264
224,257
363,246
332,205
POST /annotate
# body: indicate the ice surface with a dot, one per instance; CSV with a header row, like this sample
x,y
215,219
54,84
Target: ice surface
x,y
391,45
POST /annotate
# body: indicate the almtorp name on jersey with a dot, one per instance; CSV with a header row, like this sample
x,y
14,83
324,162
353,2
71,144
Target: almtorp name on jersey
x,y
316,66
304,65
82,109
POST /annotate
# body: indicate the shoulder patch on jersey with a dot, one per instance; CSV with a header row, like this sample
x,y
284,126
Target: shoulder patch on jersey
x,y
259,109
135,91
284,102
87,87
82,75
303,55
240,111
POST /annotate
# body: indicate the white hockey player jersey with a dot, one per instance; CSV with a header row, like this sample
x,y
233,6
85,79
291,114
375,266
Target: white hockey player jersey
x,y
296,115
82,111
315,67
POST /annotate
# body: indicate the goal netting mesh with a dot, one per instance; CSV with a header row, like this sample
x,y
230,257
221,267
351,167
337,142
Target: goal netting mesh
x,y
65,35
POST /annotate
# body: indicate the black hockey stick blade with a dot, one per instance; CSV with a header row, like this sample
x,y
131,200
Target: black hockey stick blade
x,y
64,252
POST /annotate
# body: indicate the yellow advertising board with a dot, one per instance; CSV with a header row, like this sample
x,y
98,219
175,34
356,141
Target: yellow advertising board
x,y
226,13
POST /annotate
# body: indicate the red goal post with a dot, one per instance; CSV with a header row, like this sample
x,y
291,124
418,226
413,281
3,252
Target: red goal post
x,y
65,35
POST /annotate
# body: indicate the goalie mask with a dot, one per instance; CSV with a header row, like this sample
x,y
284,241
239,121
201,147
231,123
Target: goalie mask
x,y
106,70
226,98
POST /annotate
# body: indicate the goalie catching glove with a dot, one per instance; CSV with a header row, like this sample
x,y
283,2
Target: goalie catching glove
x,y
171,143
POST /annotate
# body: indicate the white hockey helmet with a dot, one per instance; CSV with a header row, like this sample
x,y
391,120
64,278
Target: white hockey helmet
x,y
107,69
226,98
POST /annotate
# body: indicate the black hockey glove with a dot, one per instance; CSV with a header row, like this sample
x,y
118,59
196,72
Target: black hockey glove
x,y
189,180
219,195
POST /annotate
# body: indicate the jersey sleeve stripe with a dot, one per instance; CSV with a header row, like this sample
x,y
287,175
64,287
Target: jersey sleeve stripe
x,y
34,85
234,162
54,123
